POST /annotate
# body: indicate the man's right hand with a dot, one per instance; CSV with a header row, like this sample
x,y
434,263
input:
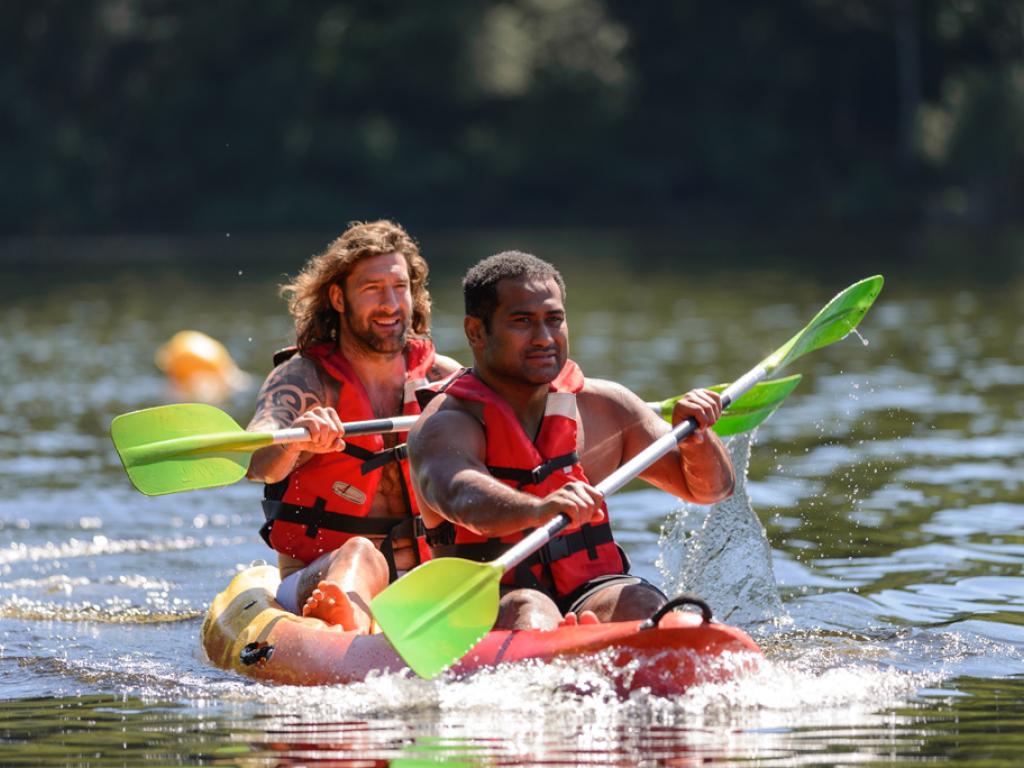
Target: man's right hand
x,y
580,502
326,431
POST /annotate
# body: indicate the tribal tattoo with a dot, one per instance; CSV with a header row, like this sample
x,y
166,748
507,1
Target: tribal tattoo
x,y
291,389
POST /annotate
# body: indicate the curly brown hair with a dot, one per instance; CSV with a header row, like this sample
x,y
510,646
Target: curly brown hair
x,y
480,285
316,320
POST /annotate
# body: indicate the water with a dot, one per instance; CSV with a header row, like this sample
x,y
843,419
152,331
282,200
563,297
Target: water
x,y
889,486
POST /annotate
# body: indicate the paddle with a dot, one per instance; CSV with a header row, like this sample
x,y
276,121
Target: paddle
x,y
436,613
746,411
185,447
189,446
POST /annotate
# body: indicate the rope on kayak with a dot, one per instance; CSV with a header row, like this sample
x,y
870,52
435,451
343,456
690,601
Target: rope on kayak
x,y
677,602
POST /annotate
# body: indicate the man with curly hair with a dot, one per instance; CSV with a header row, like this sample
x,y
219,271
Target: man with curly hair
x,y
340,513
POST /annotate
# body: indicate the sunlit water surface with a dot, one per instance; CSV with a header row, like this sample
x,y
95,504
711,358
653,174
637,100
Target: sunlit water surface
x,y
890,487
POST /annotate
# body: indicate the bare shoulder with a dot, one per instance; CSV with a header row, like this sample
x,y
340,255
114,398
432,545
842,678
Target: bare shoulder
x,y
608,398
289,390
447,426
442,413
607,406
443,366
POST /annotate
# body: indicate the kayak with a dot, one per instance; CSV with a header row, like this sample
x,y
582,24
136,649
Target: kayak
x,y
247,631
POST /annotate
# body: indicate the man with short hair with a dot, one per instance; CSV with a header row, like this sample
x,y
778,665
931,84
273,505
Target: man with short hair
x,y
522,436
339,512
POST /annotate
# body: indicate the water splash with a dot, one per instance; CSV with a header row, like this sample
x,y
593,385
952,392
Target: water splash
x,y
722,553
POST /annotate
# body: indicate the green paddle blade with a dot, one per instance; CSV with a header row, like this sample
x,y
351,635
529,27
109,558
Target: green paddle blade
x,y
749,410
183,447
435,613
835,320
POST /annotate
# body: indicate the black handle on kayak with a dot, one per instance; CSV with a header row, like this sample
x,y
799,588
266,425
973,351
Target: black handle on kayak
x,y
675,602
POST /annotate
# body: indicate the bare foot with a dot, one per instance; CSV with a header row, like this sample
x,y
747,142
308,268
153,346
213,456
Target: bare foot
x,y
329,603
571,619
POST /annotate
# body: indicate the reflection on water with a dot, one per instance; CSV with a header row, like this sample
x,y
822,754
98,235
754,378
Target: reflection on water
x,y
890,486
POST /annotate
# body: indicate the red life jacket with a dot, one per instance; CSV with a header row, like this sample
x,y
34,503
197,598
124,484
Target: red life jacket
x,y
326,501
577,554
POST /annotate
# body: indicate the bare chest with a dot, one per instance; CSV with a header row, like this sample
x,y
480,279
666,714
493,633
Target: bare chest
x,y
386,400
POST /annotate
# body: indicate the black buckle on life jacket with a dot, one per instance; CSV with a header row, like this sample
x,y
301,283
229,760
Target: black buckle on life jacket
x,y
372,460
588,537
556,549
538,474
381,458
442,535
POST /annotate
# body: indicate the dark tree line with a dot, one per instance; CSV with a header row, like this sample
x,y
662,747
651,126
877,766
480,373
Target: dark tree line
x,y
154,115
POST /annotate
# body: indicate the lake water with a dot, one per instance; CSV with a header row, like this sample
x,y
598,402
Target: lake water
x,y
890,485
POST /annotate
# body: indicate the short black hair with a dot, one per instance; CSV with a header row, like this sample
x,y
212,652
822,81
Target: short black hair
x,y
480,285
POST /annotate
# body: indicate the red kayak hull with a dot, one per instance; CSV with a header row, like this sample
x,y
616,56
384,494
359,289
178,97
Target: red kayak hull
x,y
245,630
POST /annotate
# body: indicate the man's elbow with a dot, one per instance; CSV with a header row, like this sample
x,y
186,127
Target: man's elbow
x,y
258,475
456,503
708,496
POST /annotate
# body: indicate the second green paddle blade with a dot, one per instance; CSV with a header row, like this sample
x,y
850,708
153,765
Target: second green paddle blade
x,y
749,410
435,612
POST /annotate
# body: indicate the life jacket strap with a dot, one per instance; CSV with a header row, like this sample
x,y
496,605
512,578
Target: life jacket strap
x,y
376,459
538,474
316,517
441,540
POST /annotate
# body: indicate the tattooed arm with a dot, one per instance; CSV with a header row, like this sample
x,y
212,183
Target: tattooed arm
x,y
293,396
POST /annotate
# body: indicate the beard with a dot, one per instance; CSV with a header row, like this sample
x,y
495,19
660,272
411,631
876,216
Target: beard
x,y
522,370
369,339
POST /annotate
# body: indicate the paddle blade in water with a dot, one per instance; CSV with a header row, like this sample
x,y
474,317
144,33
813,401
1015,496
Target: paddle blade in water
x,y
438,611
183,447
835,320
749,410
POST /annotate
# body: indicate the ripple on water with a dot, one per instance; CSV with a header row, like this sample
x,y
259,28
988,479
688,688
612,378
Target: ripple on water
x,y
102,545
994,518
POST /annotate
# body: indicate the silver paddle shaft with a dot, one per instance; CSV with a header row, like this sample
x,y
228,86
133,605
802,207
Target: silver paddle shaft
x,y
628,471
372,427
352,429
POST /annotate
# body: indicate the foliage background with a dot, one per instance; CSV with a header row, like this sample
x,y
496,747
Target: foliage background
x,y
137,116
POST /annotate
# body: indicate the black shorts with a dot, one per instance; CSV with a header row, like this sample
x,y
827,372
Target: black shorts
x,y
574,600
585,591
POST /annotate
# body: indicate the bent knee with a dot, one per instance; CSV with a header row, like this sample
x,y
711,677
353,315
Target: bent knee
x,y
358,546
526,598
357,552
527,609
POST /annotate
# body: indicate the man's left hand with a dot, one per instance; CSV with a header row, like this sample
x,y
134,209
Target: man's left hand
x,y
703,406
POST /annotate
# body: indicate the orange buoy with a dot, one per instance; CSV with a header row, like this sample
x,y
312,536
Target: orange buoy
x,y
200,368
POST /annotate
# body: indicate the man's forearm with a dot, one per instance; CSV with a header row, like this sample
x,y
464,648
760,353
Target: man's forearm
x,y
707,469
272,463
484,505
